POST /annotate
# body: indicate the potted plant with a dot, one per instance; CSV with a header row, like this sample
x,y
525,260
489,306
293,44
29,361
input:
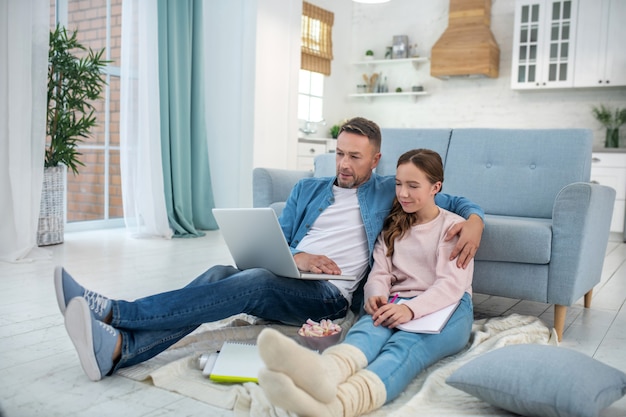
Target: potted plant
x,y
74,83
369,54
611,120
334,130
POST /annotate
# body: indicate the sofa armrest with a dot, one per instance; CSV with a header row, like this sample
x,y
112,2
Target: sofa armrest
x,y
270,185
581,223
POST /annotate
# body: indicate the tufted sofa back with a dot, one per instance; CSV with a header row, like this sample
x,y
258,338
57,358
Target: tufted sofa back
x,y
509,172
516,172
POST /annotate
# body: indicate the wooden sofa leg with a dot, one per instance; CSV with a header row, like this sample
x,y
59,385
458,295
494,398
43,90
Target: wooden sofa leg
x,y
559,319
588,298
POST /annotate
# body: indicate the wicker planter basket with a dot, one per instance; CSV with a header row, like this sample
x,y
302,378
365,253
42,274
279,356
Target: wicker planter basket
x,y
51,213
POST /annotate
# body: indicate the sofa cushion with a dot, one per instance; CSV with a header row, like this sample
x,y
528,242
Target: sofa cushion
x,y
278,207
516,239
325,165
395,142
541,381
516,172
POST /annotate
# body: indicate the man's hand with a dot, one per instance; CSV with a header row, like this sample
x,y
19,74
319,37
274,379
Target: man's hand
x,y
470,232
317,264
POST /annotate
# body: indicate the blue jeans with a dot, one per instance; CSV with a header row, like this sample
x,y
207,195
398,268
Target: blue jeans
x,y
152,324
397,357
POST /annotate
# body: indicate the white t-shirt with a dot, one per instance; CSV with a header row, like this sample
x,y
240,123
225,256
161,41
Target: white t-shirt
x,y
339,234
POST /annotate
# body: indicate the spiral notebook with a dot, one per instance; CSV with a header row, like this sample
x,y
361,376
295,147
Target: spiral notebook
x,y
236,363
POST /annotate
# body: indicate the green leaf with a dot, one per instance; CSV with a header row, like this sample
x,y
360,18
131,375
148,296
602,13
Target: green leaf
x,y
610,119
74,83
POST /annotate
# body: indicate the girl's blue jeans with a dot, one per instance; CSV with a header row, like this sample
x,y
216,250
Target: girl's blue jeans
x,y
397,357
152,324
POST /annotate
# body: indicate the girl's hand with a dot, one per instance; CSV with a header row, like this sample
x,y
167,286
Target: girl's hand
x,y
372,304
390,315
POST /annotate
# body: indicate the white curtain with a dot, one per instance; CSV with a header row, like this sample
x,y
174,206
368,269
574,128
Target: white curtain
x,y
145,212
24,33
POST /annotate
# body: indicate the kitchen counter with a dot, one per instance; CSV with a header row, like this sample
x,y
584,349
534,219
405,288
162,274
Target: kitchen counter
x,y
609,150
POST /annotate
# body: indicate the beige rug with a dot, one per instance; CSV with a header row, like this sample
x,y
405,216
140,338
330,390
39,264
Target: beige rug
x,y
428,395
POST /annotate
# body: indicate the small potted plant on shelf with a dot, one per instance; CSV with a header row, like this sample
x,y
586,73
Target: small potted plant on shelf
x,y
611,120
369,54
73,85
334,131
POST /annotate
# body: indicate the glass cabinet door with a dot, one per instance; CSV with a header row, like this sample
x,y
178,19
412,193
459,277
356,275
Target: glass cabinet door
x,y
542,43
560,63
528,32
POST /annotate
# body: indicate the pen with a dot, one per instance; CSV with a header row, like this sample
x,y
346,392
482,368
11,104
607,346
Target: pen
x,y
393,300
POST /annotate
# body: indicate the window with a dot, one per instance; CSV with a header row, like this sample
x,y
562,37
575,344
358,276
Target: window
x,y
94,196
316,56
317,39
310,96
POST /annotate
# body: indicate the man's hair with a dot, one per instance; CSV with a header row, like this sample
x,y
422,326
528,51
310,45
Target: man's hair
x,y
364,127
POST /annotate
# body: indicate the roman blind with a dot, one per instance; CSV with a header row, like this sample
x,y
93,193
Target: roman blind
x,y
317,39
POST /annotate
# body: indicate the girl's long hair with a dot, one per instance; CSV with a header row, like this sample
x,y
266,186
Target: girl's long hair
x,y
398,222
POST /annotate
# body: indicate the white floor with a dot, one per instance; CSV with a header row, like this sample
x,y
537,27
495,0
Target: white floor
x,y
40,374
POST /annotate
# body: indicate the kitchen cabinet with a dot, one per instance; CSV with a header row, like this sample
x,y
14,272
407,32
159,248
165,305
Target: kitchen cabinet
x,y
398,74
543,44
609,168
600,59
309,148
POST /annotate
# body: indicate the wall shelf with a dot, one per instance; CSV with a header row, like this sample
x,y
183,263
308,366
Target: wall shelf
x,y
370,96
371,63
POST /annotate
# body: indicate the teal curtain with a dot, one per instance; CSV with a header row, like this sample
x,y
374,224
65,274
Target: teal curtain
x,y
187,181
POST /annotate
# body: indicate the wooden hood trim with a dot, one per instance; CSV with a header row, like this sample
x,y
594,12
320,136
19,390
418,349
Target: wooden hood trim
x,y
467,47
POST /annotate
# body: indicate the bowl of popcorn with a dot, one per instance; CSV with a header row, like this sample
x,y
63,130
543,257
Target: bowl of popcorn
x,y
319,336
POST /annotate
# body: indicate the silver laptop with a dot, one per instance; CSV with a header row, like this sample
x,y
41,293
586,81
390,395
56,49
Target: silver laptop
x,y
256,240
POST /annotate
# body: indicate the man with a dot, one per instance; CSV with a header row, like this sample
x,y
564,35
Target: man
x,y
331,225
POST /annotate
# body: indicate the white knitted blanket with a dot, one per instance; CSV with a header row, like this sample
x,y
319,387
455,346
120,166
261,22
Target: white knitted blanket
x,y
428,395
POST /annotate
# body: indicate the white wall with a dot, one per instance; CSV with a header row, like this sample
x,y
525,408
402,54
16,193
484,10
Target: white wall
x,y
229,68
252,97
253,49
276,83
456,102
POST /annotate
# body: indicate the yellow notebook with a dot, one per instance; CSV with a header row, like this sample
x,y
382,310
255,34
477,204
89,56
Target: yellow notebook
x,y
237,362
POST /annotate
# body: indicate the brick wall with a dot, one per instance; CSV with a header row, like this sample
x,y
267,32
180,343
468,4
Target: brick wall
x,y
86,191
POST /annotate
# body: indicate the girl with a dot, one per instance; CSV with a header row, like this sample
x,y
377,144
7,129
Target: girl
x,y
376,361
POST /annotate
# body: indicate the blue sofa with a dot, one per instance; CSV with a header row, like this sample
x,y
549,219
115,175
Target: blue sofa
x,y
546,225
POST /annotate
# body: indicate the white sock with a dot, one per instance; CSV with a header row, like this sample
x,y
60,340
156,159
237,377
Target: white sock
x,y
316,374
282,392
360,394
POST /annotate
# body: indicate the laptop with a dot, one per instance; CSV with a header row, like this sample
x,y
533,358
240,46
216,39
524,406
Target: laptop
x,y
256,240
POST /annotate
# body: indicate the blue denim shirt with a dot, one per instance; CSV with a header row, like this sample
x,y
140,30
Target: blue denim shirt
x,y
311,196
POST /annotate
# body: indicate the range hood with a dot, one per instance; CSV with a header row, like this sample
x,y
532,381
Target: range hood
x,y
467,47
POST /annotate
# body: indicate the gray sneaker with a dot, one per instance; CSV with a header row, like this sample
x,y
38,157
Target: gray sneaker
x,y
94,341
67,288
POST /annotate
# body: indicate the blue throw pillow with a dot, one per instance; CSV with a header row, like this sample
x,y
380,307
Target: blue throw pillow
x,y
541,381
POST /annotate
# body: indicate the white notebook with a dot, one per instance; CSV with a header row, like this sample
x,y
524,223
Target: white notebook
x,y
237,362
430,323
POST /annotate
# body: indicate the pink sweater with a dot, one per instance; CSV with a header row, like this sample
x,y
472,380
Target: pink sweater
x,y
420,268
